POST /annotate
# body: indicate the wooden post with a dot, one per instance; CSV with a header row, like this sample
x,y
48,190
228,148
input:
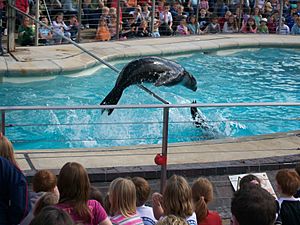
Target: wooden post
x,y
11,23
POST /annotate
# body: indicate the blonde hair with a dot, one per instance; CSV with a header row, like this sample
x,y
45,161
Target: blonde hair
x,y
122,197
172,220
7,150
202,191
177,197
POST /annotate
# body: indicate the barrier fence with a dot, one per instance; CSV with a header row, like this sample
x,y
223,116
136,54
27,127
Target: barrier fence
x,y
120,20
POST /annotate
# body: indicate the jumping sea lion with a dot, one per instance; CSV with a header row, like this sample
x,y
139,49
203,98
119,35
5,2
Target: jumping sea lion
x,y
151,69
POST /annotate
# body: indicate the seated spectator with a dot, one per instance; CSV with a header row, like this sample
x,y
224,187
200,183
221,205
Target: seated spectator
x,y
96,194
145,12
51,215
7,150
203,19
155,32
231,25
250,26
257,15
103,33
122,198
297,169
143,190
178,18
48,199
14,204
253,205
26,33
182,28
166,20
272,25
193,25
288,182
263,28
74,186
42,182
249,179
284,29
143,30
172,220
60,29
129,28
213,27
202,191
176,200
45,34
224,19
73,27
296,27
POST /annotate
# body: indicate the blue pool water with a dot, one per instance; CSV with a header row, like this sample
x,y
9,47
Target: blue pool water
x,y
256,75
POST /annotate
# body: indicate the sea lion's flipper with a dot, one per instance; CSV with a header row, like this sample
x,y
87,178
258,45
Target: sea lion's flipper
x,y
112,99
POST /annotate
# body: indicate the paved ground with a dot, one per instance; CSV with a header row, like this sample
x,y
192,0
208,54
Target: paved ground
x,y
215,159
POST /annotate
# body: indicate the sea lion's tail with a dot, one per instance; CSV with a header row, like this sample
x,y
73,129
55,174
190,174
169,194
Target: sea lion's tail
x,y
112,99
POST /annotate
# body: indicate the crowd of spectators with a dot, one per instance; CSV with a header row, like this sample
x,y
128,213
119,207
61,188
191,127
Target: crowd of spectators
x,y
176,17
71,199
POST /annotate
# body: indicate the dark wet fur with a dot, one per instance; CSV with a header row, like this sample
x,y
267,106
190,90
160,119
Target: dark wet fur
x,y
198,120
112,99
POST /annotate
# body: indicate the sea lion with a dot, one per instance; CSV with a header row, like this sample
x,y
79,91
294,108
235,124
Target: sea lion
x,y
151,69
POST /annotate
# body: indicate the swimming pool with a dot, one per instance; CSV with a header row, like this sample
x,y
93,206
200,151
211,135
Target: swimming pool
x,y
253,75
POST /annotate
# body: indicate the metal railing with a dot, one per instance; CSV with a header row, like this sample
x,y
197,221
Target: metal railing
x,y
165,121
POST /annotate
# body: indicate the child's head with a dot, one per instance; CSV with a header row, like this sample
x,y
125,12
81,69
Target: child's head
x,y
144,24
166,7
44,181
102,22
143,189
26,21
202,192
47,199
44,20
251,21
59,17
203,12
73,19
172,220
192,19
74,185
256,10
122,197
231,19
96,194
52,215
214,19
105,11
288,181
263,22
227,15
7,150
249,179
112,11
183,22
177,197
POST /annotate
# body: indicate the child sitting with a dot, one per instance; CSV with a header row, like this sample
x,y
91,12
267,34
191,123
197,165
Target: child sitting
x,y
142,194
143,29
26,33
45,34
182,28
60,29
288,182
214,26
263,28
103,33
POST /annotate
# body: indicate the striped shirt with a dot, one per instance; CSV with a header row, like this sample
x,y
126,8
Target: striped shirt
x,y
122,220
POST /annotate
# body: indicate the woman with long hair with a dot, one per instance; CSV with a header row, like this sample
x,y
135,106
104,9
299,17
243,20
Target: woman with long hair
x,y
74,186
7,150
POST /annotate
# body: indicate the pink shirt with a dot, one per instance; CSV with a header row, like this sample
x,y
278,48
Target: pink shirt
x,y
132,220
97,211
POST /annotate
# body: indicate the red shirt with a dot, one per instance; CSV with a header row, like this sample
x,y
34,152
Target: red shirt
x,y
212,218
22,5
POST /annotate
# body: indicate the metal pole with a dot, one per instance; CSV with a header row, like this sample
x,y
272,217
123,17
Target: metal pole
x,y
11,23
240,13
197,16
37,16
280,16
118,20
152,16
163,177
3,122
79,20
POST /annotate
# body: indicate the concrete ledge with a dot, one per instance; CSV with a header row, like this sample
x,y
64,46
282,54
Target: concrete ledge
x,y
58,58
